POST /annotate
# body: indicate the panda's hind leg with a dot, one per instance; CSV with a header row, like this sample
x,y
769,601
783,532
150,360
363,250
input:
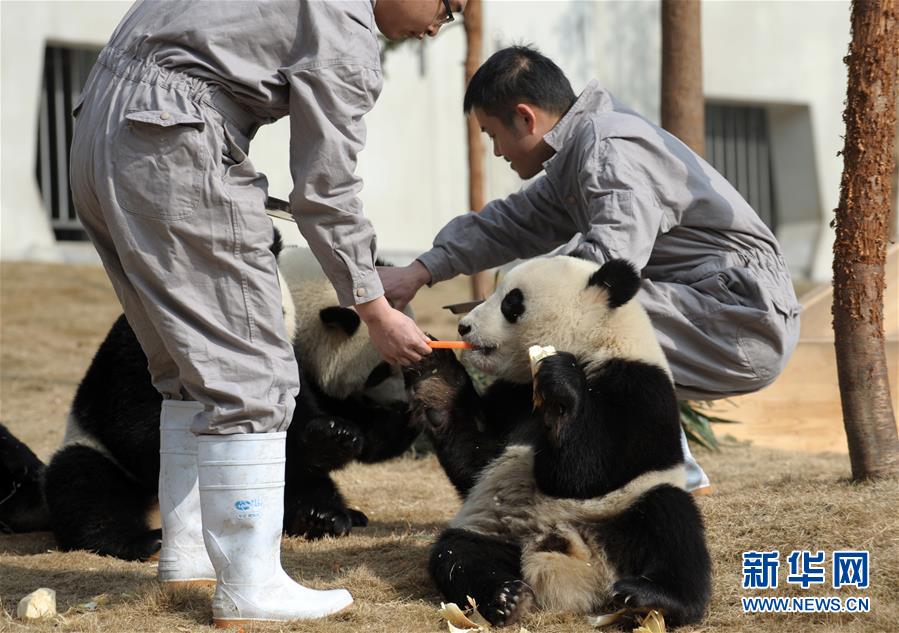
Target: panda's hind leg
x,y
659,548
642,595
95,506
488,569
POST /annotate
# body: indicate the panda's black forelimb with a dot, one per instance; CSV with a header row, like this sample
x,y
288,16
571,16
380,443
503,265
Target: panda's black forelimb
x,y
443,401
594,423
332,432
568,455
327,442
314,508
22,506
96,507
388,432
487,568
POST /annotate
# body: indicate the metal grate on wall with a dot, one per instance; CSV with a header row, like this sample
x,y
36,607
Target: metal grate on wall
x,y
65,72
737,144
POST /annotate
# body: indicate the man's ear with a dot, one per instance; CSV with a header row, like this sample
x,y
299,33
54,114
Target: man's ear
x,y
528,117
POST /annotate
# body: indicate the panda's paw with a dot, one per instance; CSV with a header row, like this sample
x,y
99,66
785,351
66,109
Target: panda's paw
x,y
638,594
441,364
143,548
560,385
432,385
332,442
315,523
512,601
358,518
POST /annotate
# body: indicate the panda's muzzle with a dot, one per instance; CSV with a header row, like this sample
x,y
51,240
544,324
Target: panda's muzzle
x,y
486,350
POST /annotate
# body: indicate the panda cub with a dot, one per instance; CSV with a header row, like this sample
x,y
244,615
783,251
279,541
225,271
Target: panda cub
x,y
576,503
101,485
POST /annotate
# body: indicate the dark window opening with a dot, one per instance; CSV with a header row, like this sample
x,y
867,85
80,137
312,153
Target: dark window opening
x,y
65,72
737,144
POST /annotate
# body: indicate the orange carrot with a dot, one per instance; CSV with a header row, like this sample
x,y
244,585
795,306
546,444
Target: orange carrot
x,y
449,345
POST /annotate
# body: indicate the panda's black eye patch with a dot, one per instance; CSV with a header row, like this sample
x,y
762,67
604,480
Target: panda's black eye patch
x,y
378,375
512,306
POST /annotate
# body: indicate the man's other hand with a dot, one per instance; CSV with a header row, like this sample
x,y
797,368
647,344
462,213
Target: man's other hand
x,y
402,282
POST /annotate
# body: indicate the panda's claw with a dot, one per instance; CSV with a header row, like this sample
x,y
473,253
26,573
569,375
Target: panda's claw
x,y
314,523
332,442
513,601
440,362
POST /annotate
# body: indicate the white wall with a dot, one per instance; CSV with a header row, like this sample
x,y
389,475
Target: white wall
x,y
786,53
27,27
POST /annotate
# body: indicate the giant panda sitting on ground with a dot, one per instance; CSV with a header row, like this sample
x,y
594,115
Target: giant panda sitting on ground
x,y
102,483
575,503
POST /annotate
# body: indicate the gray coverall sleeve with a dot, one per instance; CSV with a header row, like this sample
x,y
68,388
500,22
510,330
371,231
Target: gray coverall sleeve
x,y
623,214
526,224
326,134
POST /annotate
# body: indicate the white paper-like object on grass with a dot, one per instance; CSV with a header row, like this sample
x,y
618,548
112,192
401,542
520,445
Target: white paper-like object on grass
x,y
40,603
462,622
603,619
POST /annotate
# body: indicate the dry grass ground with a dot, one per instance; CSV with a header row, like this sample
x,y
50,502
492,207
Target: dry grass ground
x,y
53,317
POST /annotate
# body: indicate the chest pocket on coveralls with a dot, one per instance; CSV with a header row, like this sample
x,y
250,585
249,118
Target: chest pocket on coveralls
x,y
159,163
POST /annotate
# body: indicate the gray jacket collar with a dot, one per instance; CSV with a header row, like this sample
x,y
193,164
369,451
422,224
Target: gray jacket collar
x,y
594,98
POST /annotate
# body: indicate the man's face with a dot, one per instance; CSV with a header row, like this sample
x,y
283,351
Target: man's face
x,y
520,144
401,19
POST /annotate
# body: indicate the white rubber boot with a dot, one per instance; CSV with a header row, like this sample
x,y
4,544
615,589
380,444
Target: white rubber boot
x,y
697,481
183,559
242,500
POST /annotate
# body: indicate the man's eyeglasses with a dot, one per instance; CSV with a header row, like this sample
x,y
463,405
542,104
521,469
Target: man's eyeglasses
x,y
448,16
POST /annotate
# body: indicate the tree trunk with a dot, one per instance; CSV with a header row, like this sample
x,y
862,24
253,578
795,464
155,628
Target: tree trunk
x,y
862,228
683,107
480,282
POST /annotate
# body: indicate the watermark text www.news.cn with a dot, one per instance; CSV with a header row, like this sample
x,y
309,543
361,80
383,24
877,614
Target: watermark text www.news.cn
x,y
848,570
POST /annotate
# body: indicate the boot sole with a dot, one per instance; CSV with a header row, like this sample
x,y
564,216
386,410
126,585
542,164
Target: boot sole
x,y
221,623
199,582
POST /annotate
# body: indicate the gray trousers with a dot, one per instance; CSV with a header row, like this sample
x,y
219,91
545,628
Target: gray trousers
x,y
727,327
164,189
727,334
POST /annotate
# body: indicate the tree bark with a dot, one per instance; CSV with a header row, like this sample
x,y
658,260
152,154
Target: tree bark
x,y
683,106
862,230
474,38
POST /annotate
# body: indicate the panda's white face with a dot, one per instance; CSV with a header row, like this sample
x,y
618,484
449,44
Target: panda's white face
x,y
549,301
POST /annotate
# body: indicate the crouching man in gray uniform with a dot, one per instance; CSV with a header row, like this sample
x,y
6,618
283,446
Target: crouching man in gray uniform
x,y
164,188
616,186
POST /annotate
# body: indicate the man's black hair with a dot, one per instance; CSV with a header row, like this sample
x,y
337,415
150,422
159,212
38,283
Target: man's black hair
x,y
518,74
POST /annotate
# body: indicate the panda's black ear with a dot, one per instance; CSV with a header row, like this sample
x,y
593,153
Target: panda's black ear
x,y
344,318
277,242
619,278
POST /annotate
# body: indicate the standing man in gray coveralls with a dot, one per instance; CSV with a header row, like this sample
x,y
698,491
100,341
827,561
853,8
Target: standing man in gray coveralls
x,y
616,186
164,189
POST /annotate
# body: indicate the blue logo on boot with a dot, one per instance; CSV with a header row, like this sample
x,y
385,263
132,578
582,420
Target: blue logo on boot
x,y
248,508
